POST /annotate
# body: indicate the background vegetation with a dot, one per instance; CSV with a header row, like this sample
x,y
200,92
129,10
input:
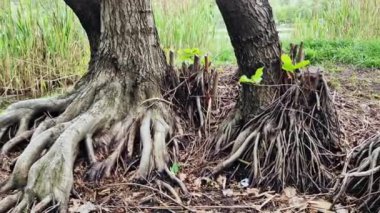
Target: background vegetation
x,y
42,45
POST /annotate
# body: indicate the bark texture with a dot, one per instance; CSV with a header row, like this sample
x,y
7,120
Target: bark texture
x,y
120,96
129,45
253,35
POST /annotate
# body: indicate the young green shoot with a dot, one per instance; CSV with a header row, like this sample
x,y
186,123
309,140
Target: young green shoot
x,y
255,78
288,66
175,168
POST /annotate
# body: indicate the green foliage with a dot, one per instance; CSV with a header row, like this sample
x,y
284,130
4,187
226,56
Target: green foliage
x,y
40,41
175,168
363,54
255,79
287,64
183,25
187,54
339,31
340,19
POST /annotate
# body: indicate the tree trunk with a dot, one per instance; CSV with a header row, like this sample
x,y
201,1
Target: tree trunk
x,y
129,42
288,135
120,96
253,35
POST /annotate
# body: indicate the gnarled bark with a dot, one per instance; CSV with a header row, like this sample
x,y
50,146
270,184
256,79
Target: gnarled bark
x,y
118,95
253,35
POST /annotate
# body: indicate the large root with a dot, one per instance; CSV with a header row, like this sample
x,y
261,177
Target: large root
x,y
294,141
43,173
361,175
152,129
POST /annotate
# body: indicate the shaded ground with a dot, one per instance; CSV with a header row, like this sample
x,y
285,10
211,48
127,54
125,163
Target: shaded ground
x,y
357,94
358,97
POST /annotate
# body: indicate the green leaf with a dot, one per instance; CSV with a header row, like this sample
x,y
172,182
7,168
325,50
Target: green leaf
x,y
187,54
245,79
255,79
258,76
288,67
302,64
175,168
286,60
287,63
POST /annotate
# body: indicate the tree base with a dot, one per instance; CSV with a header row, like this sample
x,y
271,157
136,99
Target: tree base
x,y
293,141
44,170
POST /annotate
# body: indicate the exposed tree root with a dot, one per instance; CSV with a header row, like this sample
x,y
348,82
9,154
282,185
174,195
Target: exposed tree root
x,y
293,141
9,201
361,175
162,184
13,143
229,129
43,173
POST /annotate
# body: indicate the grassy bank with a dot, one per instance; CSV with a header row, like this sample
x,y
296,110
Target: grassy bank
x,y
340,31
360,54
363,54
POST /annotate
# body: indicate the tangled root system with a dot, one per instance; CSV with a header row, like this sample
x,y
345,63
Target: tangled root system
x,y
294,141
131,127
361,175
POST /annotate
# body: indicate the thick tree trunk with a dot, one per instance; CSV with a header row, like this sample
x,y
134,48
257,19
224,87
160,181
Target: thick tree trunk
x,y
120,96
253,35
117,36
129,45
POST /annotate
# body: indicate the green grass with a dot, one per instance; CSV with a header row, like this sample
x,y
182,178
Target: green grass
x,y
359,53
340,19
339,31
362,54
41,47
287,11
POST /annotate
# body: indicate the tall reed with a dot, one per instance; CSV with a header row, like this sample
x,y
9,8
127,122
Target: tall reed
x,y
192,24
340,19
41,47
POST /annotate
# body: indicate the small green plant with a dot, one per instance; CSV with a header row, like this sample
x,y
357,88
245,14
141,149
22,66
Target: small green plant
x,y
288,66
187,55
175,168
255,79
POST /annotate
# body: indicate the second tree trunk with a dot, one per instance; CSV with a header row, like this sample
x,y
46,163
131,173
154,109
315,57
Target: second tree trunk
x,y
256,43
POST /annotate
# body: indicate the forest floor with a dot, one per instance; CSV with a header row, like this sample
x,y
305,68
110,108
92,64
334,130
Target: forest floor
x,y
357,96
